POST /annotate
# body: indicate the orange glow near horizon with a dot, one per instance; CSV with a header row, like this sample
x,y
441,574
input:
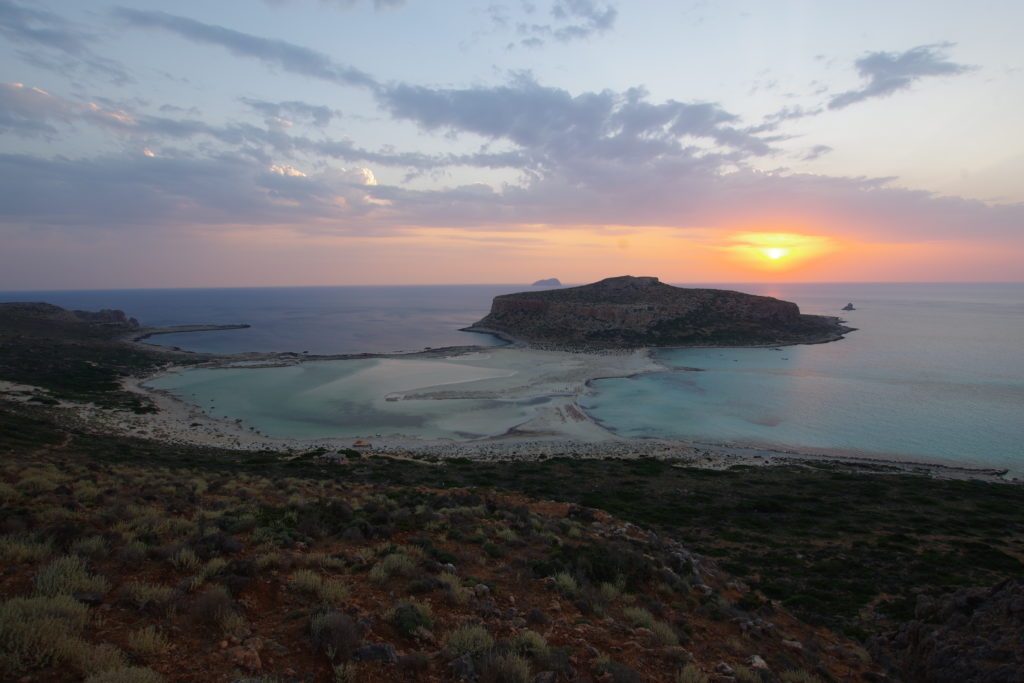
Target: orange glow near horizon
x,y
777,251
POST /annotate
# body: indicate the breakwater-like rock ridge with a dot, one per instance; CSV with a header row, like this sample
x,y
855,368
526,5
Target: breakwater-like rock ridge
x,y
631,311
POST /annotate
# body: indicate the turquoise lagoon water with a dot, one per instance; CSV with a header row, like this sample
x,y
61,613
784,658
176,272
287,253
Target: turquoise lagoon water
x,y
933,372
347,398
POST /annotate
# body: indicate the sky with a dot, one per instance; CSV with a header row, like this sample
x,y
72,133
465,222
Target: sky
x,y
345,142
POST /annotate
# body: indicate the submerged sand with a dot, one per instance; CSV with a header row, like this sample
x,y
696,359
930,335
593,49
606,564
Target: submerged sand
x,y
556,426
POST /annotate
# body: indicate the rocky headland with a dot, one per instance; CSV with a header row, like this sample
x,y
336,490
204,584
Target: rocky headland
x,y
631,311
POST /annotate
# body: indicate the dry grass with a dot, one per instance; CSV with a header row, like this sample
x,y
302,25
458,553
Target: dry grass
x,y
148,641
67,575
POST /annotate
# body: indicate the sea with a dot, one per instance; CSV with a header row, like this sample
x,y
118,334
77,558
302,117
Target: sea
x,y
934,372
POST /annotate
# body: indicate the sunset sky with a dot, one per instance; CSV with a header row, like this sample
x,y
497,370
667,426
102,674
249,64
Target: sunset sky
x,y
203,143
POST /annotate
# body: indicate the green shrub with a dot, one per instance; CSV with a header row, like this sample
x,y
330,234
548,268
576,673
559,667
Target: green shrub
x,y
409,616
39,631
456,593
306,581
664,633
691,674
148,641
469,639
565,584
798,676
144,595
67,575
20,549
504,668
639,617
185,559
128,674
90,546
93,659
310,582
395,564
335,633
529,643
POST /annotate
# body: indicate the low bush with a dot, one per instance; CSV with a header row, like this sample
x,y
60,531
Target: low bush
x,y
409,616
39,631
470,639
336,634
148,641
395,564
690,674
67,575
147,595
504,668
128,674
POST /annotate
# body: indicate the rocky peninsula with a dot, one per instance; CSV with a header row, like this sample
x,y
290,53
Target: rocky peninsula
x,y
632,312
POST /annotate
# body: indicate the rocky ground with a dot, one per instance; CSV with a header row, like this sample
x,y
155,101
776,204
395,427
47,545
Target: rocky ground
x,y
150,574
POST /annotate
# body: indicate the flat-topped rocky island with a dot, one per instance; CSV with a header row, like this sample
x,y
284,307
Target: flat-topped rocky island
x,y
632,312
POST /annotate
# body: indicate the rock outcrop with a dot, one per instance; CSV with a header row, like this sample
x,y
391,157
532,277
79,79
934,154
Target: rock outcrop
x,y
641,311
974,634
37,310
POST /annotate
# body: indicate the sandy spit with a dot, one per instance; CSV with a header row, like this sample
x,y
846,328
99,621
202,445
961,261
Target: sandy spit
x,y
559,428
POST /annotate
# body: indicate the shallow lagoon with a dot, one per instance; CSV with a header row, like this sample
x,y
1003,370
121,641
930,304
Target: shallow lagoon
x,y
934,372
920,379
343,398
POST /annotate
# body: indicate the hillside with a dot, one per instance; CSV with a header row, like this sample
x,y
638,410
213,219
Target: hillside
x,y
631,311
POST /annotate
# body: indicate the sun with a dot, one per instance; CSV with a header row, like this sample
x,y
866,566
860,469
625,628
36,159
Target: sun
x,y
775,253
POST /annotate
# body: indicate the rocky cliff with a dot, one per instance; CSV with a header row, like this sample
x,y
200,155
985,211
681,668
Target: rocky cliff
x,y
974,634
641,311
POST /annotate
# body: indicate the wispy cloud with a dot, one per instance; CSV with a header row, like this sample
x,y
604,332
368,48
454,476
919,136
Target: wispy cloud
x,y
279,53
564,21
282,113
65,46
890,72
344,4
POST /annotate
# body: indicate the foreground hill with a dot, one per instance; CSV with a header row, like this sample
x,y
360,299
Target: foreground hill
x,y
641,311
135,573
133,559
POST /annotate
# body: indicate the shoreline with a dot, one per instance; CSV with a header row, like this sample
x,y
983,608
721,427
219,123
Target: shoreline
x,y
561,430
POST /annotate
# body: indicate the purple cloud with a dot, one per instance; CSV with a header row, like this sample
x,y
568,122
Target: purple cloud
x,y
890,72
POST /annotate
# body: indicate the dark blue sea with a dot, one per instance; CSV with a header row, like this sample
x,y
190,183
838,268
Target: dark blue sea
x,y
934,371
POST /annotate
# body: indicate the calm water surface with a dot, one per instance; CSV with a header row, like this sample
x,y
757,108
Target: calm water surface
x,y
934,370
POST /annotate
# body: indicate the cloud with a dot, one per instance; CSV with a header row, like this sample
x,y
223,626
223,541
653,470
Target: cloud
x,y
287,56
65,44
24,111
553,126
569,20
816,152
346,4
278,112
575,159
889,72
118,193
589,16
